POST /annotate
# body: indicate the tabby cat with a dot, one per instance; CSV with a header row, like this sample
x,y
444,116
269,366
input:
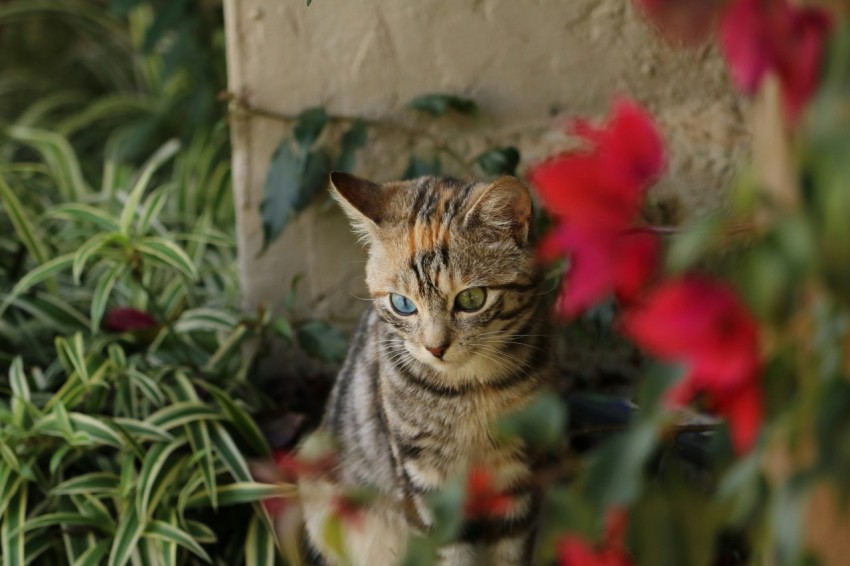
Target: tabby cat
x,y
455,338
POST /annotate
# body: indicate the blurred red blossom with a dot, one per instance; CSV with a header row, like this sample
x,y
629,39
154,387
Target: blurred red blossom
x,y
482,499
705,325
596,197
292,466
687,21
128,319
575,551
761,36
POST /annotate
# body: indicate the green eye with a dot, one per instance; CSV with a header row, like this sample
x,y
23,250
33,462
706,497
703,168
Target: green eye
x,y
471,299
402,305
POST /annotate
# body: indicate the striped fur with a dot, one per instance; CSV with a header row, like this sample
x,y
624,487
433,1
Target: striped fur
x,y
408,422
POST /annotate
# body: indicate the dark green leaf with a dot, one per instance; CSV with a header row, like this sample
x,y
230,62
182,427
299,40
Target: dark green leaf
x,y
353,139
541,423
322,341
615,472
418,167
439,104
499,161
309,127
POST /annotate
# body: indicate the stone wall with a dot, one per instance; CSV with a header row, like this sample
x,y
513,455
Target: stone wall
x,y
527,63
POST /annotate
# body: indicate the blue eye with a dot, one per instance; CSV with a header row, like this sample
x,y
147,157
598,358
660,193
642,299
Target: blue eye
x,y
402,305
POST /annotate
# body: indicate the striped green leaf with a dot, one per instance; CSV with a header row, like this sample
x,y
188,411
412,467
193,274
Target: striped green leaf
x,y
38,545
227,346
23,225
242,492
85,213
94,556
151,469
171,532
152,208
54,311
12,539
206,320
143,430
105,107
73,354
90,506
168,253
36,276
9,489
201,532
67,519
260,548
147,386
179,414
199,436
242,421
156,160
59,156
127,535
18,379
229,453
97,430
90,247
94,483
102,291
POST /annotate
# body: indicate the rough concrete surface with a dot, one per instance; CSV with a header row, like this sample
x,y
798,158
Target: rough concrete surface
x,y
528,65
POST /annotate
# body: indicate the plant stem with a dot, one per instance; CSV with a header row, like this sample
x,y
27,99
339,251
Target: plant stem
x,y
241,105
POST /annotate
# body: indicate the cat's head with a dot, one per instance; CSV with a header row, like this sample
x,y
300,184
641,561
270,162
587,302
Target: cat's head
x,y
450,265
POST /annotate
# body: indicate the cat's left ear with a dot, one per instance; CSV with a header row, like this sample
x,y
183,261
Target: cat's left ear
x,y
503,205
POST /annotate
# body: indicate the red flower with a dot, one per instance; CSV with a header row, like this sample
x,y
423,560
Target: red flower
x,y
575,551
601,261
482,499
761,36
596,196
128,319
705,325
686,21
292,466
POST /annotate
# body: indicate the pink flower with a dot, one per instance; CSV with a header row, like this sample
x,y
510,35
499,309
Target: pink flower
x,y
128,319
705,325
687,21
761,36
596,197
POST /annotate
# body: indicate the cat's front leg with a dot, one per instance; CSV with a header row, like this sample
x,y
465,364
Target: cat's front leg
x,y
459,554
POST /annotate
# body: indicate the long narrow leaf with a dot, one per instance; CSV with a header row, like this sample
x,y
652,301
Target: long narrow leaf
x,y
85,213
94,555
151,468
59,155
171,532
131,206
12,539
260,549
245,425
170,254
22,223
95,483
127,536
102,291
36,276
179,414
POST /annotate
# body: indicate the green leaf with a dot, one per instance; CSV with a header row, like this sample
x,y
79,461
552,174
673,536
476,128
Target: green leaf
x,y
242,492
615,471
688,247
102,291
143,430
36,276
170,254
130,529
541,424
96,429
22,224
439,104
353,139
90,247
292,182
499,161
230,454
130,209
95,483
172,533
201,532
152,208
18,379
310,124
84,213
206,320
63,519
149,474
74,353
447,507
94,555
179,414
418,167
260,549
227,346
60,157
12,539
242,421
322,341
148,387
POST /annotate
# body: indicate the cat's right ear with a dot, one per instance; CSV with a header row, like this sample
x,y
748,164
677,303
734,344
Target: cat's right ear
x,y
364,202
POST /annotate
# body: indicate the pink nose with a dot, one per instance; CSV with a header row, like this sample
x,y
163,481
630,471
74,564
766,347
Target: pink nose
x,y
439,351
